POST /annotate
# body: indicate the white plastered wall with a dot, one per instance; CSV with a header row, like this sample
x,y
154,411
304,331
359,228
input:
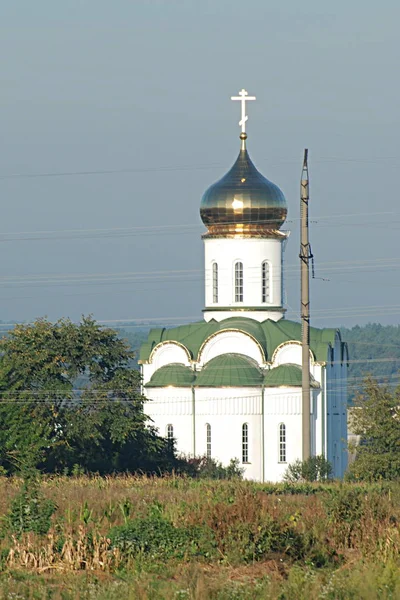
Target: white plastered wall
x,y
251,252
283,406
172,406
226,410
228,341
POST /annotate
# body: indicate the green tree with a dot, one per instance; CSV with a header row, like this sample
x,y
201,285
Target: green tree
x,y
315,468
68,396
376,419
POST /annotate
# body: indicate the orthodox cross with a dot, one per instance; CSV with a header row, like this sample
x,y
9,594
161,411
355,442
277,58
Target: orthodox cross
x,y
243,97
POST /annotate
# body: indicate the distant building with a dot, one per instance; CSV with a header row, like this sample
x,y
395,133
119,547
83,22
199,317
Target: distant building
x,y
229,386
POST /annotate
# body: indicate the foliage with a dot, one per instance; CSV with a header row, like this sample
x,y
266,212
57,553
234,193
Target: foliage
x,y
370,342
175,537
204,467
135,338
30,511
315,468
376,419
69,397
157,538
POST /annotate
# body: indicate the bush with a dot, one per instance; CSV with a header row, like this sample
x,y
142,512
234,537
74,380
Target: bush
x,y
30,511
158,538
315,468
344,508
208,468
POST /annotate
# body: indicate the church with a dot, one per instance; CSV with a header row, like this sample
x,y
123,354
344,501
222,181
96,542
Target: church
x,y
230,385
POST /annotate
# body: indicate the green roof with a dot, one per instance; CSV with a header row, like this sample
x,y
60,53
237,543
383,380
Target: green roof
x,y
286,375
174,374
229,370
269,334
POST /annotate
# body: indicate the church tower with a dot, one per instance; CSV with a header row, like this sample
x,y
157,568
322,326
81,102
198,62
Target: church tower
x,y
243,213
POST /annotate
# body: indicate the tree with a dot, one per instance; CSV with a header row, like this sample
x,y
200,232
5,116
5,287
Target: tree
x,y
68,396
315,468
376,419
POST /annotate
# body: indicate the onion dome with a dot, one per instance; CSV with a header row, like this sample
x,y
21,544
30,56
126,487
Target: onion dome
x,y
243,201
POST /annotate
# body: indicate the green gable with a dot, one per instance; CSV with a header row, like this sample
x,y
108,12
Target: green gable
x,y
269,335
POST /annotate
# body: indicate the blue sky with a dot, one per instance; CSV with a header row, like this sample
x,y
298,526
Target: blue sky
x,y
144,87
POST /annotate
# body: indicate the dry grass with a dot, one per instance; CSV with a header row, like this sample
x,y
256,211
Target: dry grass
x,y
235,512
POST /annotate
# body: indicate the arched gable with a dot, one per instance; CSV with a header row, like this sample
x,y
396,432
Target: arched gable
x,y
169,352
231,341
289,353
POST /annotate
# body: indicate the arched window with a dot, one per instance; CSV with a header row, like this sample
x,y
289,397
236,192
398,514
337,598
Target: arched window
x,y
215,282
245,443
170,432
265,282
282,443
208,440
238,282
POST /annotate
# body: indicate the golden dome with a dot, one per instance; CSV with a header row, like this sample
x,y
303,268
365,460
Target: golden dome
x,y
243,201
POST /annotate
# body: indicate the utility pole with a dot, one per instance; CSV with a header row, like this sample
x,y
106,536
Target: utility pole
x,y
305,256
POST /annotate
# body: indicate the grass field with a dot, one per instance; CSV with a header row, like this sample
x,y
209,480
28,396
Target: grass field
x,y
144,538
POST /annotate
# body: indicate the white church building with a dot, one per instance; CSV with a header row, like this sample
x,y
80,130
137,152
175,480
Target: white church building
x,y
230,385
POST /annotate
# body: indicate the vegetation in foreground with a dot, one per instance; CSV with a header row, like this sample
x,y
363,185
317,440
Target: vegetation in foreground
x,y
70,403
174,537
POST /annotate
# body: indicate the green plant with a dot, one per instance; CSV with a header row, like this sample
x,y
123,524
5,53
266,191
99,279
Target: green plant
x,y
315,468
157,538
344,507
30,511
205,467
375,418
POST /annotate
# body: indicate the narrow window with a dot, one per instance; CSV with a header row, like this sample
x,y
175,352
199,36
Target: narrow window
x,y
170,433
265,279
208,439
245,443
215,282
282,443
238,282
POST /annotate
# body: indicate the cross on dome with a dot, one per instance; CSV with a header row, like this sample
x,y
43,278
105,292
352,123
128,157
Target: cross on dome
x,y
243,97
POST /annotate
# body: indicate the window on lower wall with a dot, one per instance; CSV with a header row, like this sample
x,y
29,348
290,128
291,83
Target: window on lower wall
x,y
170,432
245,443
208,440
282,443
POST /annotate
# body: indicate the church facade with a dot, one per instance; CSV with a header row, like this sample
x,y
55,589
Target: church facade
x,y
230,385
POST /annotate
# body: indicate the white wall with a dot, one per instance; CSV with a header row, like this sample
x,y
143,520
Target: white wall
x,y
283,405
231,341
172,406
251,252
226,410
291,353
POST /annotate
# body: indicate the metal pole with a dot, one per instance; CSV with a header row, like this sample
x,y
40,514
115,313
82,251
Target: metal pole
x,y
305,255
